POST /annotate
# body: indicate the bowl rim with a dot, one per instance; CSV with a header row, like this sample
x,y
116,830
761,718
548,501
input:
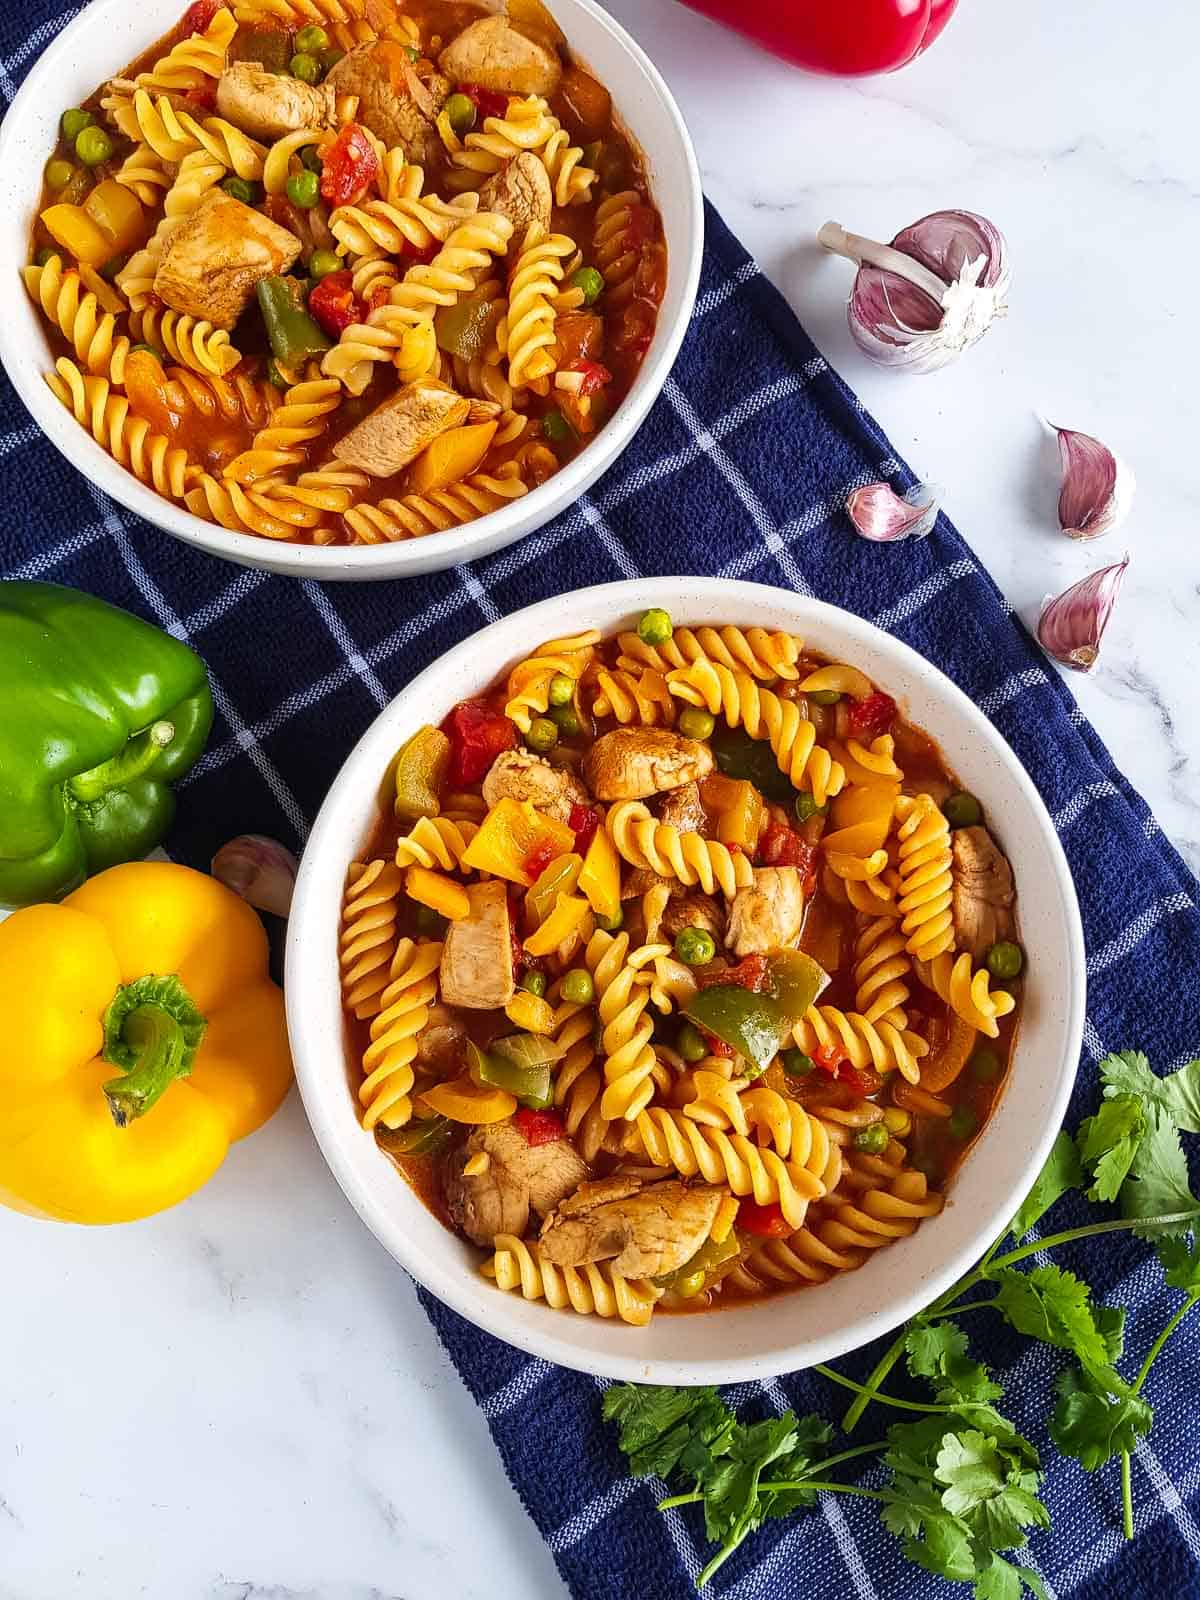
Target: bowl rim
x,y
445,1278
435,551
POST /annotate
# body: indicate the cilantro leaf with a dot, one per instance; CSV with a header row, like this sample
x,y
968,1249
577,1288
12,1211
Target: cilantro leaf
x,y
1054,1306
734,1505
996,1498
1000,1580
938,1352
1157,1184
1108,1143
662,1429
1061,1173
1180,1258
1092,1424
1111,1322
1129,1073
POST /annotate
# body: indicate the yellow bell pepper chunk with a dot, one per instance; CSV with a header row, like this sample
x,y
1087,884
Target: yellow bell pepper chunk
x,y
560,877
465,1101
516,842
438,892
600,879
80,236
119,214
563,923
531,1012
62,1152
862,818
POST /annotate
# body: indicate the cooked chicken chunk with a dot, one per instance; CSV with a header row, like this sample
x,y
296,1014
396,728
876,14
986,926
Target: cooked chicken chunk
x,y
520,775
494,55
213,262
682,809
477,963
769,914
396,432
983,892
521,1178
266,105
632,763
393,102
521,192
644,1232
691,910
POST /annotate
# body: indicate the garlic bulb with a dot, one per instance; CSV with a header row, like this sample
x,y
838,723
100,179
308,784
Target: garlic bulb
x,y
1071,627
880,514
1097,486
260,870
933,292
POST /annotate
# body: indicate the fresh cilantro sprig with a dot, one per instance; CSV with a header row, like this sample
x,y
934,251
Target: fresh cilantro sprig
x,y
961,1485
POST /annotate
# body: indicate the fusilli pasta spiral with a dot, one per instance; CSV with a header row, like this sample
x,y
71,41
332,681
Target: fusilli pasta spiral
x,y
145,174
966,991
192,60
880,1045
641,697
526,332
764,655
302,417
528,686
643,841
419,514
670,1139
251,510
435,842
390,225
926,882
578,1081
596,1289
78,317
195,343
570,180
172,133
282,159
881,966
128,438
369,911
629,1059
403,1011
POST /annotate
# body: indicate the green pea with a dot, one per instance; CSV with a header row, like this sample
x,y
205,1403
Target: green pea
x,y
93,146
44,255
146,349
534,982
591,281
796,1064
312,39
655,626
555,427
690,1285
430,921
74,122
1005,959
566,721
807,807
873,1139
963,1122
691,1043
303,190
824,697
241,189
322,262
695,723
305,67
542,735
695,946
411,51
962,810
310,159
460,112
577,987
561,690
59,173
610,924
985,1065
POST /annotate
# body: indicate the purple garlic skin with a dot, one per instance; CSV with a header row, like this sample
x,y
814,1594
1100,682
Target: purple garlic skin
x,y
881,515
258,869
1097,486
1071,627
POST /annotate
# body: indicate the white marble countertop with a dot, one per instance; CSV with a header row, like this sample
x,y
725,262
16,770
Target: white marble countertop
x,y
242,1400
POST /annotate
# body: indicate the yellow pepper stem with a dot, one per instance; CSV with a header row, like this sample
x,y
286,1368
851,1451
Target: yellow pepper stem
x,y
152,1030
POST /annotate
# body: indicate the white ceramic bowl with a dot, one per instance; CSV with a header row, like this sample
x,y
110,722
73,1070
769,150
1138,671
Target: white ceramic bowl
x,y
109,33
758,1338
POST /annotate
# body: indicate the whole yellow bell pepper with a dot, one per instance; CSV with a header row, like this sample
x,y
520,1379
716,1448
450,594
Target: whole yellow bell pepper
x,y
141,1036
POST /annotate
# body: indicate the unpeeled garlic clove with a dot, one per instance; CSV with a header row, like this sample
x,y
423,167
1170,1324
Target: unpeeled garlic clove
x,y
260,870
1071,627
929,295
1097,487
880,514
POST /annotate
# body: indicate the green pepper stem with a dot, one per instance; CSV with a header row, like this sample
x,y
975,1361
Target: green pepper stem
x,y
152,1031
138,756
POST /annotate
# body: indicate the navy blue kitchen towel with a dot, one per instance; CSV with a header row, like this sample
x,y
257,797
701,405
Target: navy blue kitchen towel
x,y
742,470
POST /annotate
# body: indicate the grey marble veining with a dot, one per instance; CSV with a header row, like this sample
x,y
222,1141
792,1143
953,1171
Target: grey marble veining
x,y
242,1400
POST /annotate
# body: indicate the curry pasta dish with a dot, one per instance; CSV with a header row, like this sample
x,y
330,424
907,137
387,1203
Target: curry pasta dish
x,y
678,971
347,271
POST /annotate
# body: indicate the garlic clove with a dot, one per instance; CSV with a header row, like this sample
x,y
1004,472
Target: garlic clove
x,y
880,514
929,295
1097,486
1071,627
260,870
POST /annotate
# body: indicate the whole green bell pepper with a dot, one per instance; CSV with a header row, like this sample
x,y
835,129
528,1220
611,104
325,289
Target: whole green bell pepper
x,y
102,713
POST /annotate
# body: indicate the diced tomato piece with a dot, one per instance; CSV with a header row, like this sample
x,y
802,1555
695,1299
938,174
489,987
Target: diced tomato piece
x,y
635,333
334,304
539,1127
872,715
410,252
488,102
378,296
348,167
198,16
538,859
781,846
477,736
595,376
768,1222
863,1082
203,97
716,1047
752,973
829,1057
584,822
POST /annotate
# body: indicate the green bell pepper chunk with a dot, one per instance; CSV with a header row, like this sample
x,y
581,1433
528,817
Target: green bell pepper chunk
x,y
757,1024
293,334
709,1256
531,1085
103,714
739,756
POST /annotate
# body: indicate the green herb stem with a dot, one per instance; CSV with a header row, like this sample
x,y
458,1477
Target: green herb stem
x,y
872,1393
1053,1240
1126,1495
1156,1348
824,1487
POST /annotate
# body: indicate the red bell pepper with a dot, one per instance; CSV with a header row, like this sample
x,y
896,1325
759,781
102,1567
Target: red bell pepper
x,y
872,715
584,822
539,1127
768,1222
848,38
487,102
